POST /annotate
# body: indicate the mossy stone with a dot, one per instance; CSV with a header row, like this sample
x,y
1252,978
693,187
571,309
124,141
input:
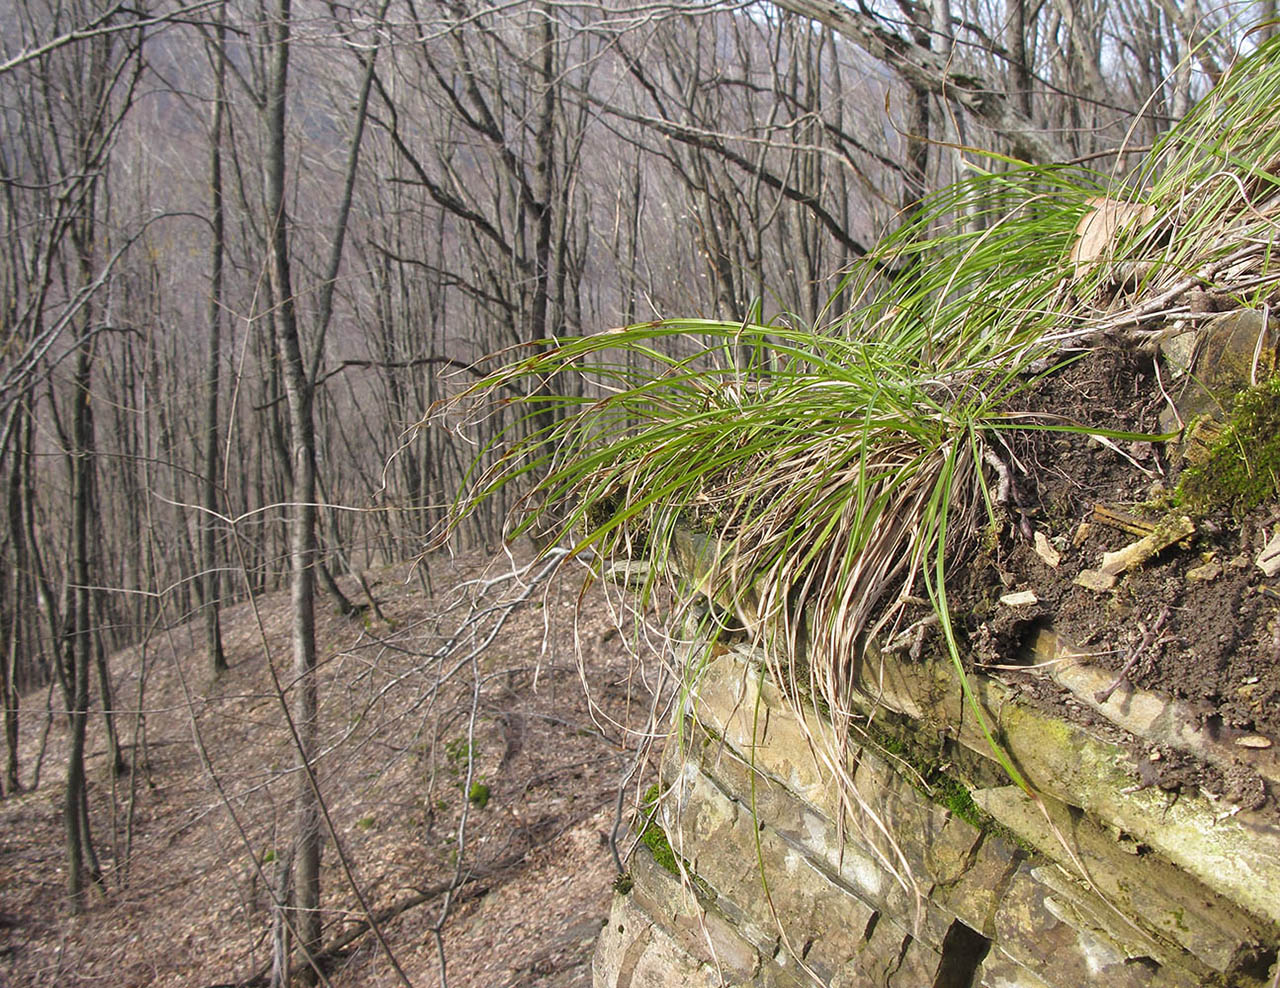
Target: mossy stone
x,y
1215,362
1240,467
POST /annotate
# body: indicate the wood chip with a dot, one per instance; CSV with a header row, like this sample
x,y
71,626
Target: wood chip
x,y
1123,520
1172,529
1092,579
1253,741
1203,574
1046,551
1020,599
1269,558
1082,533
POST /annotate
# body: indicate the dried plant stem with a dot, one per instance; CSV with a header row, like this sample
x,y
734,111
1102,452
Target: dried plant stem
x,y
1148,636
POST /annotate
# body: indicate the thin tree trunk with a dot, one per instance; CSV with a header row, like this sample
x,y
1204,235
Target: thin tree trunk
x,y
115,757
1016,43
916,166
302,528
18,599
78,650
210,471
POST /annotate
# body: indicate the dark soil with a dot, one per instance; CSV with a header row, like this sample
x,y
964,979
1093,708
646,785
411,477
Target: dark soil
x,y
1218,646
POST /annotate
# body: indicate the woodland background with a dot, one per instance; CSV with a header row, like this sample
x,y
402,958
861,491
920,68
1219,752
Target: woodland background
x,y
247,245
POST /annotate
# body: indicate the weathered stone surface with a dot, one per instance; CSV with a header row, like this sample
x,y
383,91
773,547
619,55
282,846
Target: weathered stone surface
x,y
890,958
867,858
736,702
975,896
662,916
918,966
782,895
1159,719
1217,360
1041,932
797,886
999,970
858,860
940,844
1087,911
1234,855
636,952
1231,854
1167,901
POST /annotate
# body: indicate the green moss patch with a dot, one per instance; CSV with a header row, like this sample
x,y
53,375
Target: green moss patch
x,y
1241,467
939,785
654,837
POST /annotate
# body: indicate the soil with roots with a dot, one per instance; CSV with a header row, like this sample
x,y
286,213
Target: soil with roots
x,y
414,732
1196,623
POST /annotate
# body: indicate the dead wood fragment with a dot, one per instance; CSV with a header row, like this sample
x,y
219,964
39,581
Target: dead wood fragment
x,y
1045,550
1095,580
1269,558
1123,520
1203,574
1172,529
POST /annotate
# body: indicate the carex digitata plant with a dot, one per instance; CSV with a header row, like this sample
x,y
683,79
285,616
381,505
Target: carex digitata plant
x,y
822,476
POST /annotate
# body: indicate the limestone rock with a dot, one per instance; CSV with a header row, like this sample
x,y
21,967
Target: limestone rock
x,y
1214,362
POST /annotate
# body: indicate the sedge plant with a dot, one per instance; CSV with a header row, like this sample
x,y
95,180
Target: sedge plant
x,y
813,480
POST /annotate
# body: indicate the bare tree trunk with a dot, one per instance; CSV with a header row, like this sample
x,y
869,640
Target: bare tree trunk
x,y
78,648
302,521
542,169
1269,16
17,600
1019,55
210,471
915,173
115,757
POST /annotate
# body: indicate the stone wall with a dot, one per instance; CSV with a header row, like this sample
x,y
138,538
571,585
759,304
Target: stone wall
x,y
1097,880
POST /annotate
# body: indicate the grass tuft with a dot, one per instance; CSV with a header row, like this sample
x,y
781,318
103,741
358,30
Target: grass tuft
x,y
814,479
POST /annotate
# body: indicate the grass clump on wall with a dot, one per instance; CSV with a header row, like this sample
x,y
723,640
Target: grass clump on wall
x,y
834,471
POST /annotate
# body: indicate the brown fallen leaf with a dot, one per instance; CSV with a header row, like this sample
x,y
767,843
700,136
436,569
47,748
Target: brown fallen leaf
x,y
1098,230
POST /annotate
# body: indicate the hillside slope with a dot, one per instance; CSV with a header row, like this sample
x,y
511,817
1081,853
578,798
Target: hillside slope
x,y
190,840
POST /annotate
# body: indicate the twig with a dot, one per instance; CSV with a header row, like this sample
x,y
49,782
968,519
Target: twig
x,y
1148,636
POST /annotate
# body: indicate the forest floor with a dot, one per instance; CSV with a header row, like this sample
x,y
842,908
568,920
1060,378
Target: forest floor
x,y
192,839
